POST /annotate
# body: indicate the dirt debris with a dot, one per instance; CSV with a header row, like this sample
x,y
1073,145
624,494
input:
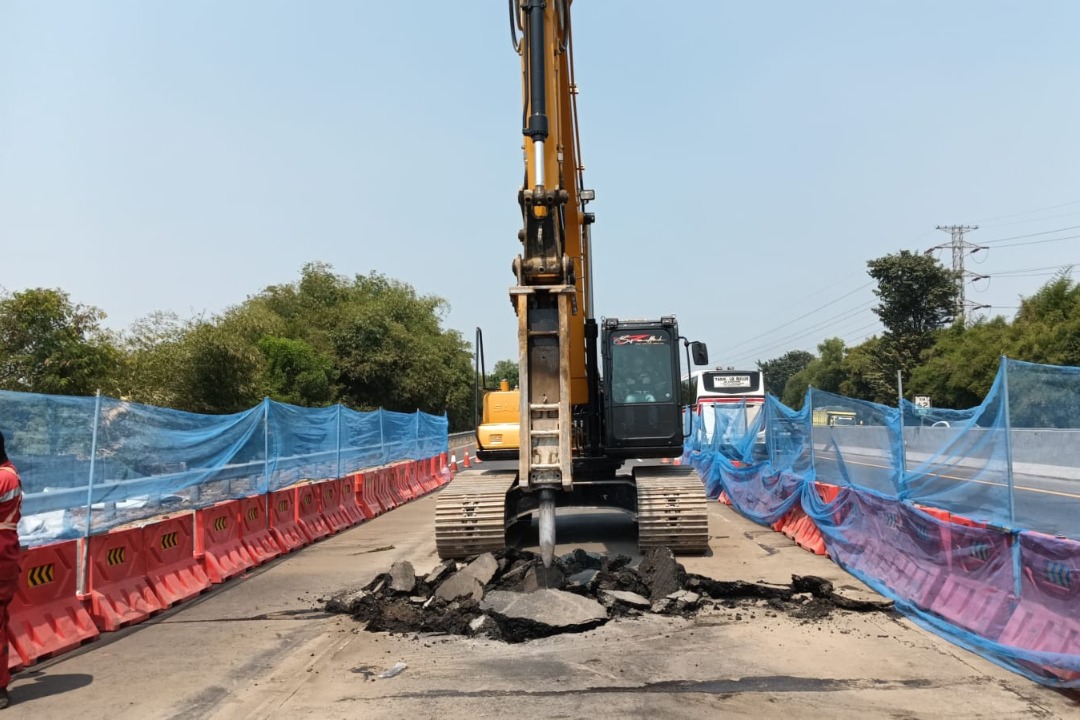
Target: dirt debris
x,y
471,598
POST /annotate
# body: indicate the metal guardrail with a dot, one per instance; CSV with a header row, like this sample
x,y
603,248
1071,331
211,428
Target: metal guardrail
x,y
461,439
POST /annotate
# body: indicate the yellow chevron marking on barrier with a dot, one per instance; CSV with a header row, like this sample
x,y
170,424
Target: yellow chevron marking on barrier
x,y
329,493
253,513
306,499
115,556
282,506
220,523
168,540
39,575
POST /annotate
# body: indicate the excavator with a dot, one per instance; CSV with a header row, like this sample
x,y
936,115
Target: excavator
x,y
591,394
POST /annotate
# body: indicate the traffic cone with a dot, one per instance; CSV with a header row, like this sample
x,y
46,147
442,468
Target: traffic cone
x,y
453,463
467,465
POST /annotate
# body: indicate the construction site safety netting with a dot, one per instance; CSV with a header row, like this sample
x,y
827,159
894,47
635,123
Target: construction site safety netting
x,y
92,463
969,519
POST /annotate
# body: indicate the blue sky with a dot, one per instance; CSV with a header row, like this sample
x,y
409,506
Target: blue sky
x,y
748,158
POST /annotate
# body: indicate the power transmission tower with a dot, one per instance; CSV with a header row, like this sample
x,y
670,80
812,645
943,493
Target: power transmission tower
x,y
960,247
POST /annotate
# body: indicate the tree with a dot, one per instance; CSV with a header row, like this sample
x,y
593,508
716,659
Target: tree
x,y
918,298
50,345
385,341
504,370
150,371
918,295
1047,326
777,371
220,372
296,373
959,370
867,374
823,372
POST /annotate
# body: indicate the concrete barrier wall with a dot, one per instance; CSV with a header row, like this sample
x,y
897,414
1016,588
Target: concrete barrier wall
x,y
1041,452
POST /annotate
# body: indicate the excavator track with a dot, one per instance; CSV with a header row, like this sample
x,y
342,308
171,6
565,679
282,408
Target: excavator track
x,y
671,509
470,514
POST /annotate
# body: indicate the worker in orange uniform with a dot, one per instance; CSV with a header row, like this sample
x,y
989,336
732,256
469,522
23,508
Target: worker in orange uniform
x,y
10,512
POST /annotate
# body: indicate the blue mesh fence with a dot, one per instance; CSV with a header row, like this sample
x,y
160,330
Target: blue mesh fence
x,y
90,464
969,519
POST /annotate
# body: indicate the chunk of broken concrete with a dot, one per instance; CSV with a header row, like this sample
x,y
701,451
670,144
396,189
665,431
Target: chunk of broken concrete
x,y
627,598
402,577
483,568
542,613
460,585
438,573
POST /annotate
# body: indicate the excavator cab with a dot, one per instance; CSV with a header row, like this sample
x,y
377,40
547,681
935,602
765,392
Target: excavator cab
x,y
643,415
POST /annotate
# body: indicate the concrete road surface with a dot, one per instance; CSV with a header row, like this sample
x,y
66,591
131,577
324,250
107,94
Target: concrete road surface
x,y
261,647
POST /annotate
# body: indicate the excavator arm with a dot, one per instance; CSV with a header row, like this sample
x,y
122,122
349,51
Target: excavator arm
x,y
552,297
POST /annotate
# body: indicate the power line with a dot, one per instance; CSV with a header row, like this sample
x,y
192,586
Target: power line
x,y
1031,212
1038,242
801,317
1031,220
1029,235
837,321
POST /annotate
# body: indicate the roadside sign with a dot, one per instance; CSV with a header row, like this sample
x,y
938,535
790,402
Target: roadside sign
x,y
922,401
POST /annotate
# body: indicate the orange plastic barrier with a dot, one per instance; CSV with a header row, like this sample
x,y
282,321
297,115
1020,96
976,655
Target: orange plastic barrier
x,y
349,501
120,593
406,487
16,662
330,506
430,476
255,530
724,498
800,527
172,569
384,479
366,499
402,490
307,514
413,474
284,521
47,618
1032,626
445,474
827,492
218,543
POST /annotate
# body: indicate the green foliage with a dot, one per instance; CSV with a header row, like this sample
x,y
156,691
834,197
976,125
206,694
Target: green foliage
x,y
1047,326
823,372
959,370
918,295
504,370
296,374
867,372
777,371
50,345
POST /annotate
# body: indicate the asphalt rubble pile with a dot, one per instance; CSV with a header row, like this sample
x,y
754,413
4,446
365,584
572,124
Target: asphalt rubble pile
x,y
509,595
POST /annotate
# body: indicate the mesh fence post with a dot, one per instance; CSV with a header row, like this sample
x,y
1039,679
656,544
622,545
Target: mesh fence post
x,y
266,445
382,439
902,485
1014,536
81,582
1008,440
808,406
338,440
